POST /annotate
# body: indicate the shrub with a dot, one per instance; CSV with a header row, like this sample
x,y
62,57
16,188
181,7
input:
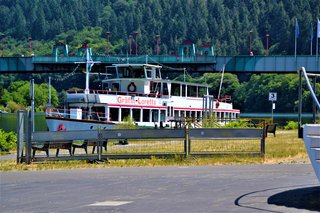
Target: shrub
x,y
291,125
8,141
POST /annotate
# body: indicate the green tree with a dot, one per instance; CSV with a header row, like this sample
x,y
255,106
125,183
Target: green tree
x,y
17,96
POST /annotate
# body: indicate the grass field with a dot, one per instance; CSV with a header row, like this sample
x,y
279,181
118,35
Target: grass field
x,y
284,148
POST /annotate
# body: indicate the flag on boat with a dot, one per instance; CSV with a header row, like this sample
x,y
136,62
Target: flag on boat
x,y
297,29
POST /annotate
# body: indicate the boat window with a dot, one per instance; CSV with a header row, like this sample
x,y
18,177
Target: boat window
x,y
176,114
125,72
115,86
146,115
105,86
162,115
202,91
175,89
192,91
155,87
136,115
183,114
165,89
111,72
198,114
114,114
149,73
138,73
99,112
155,114
125,114
183,87
158,73
192,114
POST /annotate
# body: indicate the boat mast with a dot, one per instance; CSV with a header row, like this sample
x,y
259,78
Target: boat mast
x,y
89,64
221,80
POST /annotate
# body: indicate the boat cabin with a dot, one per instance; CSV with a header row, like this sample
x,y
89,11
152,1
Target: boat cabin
x,y
146,80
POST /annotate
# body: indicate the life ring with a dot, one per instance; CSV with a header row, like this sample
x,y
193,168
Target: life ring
x,y
132,87
217,104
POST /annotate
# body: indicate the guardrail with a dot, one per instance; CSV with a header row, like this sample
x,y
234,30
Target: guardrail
x,y
142,142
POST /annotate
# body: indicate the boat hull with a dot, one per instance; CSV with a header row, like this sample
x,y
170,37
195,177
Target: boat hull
x,y
66,124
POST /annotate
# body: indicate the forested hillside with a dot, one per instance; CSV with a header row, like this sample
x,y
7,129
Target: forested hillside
x,y
224,23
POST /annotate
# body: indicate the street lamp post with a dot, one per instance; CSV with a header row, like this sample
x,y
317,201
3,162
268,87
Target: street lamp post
x,y
108,43
136,39
130,43
30,45
267,45
2,44
157,41
251,43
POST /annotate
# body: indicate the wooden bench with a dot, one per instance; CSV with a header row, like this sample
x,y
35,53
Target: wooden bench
x,y
87,143
271,128
55,145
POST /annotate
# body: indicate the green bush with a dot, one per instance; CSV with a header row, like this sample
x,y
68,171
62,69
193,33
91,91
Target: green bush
x,y
291,125
237,124
8,141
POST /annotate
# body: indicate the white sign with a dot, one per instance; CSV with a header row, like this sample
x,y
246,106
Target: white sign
x,y
272,96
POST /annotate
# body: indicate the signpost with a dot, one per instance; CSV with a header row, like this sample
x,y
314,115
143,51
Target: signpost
x,y
272,98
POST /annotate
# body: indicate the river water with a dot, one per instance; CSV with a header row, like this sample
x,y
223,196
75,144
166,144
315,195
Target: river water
x,y
8,121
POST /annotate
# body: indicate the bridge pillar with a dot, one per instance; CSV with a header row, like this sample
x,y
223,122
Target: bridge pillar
x,y
58,46
82,51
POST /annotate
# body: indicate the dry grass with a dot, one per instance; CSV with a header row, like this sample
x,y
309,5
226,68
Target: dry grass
x,y
284,148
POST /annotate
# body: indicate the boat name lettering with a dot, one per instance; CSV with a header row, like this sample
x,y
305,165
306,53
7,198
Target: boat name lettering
x,y
139,101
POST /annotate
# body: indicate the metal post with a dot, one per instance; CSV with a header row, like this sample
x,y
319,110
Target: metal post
x,y
99,144
186,142
272,111
300,105
2,44
20,131
49,92
267,38
130,43
108,43
136,39
157,47
28,137
30,45
250,43
314,106
32,103
263,141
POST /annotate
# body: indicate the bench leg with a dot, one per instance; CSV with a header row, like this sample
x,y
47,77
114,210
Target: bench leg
x,y
57,152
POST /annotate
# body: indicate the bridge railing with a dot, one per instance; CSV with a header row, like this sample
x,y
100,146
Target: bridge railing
x,y
127,59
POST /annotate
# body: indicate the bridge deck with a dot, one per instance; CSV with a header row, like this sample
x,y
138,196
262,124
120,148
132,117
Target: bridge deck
x,y
236,64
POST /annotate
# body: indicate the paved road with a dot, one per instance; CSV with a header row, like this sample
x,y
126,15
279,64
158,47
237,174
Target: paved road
x,y
240,188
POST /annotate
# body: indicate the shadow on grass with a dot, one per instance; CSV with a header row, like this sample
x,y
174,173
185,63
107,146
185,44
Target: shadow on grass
x,y
302,198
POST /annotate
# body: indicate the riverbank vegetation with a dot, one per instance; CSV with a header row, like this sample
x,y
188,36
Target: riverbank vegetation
x,y
225,24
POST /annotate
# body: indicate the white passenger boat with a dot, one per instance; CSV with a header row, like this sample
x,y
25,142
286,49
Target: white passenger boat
x,y
138,93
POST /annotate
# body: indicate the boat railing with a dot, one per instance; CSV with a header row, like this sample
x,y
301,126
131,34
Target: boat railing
x,y
67,113
115,92
225,99
54,112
